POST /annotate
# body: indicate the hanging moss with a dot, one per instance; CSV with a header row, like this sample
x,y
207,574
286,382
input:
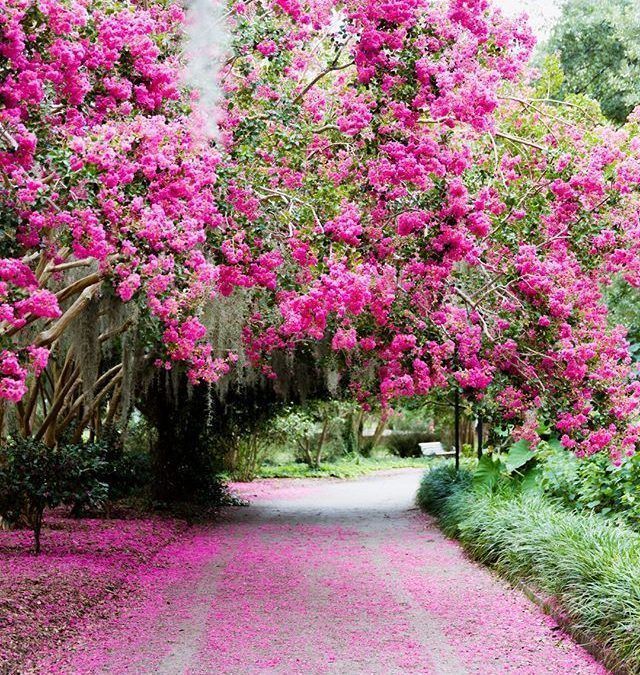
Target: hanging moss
x,y
132,364
84,336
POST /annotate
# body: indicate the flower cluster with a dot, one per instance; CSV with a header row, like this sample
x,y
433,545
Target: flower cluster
x,y
21,302
442,230
103,165
384,181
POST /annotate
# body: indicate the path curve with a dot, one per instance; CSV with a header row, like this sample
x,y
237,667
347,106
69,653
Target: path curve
x,y
338,577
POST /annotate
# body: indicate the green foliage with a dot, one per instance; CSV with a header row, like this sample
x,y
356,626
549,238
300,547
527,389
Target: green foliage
x,y
488,472
589,566
431,415
551,77
250,452
623,302
518,471
439,483
407,444
307,429
595,484
326,438
127,471
420,414
241,433
519,454
34,476
599,52
592,484
345,467
319,431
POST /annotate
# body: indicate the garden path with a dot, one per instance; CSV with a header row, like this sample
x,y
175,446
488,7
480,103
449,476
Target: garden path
x,y
328,577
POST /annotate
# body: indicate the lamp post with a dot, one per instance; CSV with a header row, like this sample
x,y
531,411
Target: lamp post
x,y
457,428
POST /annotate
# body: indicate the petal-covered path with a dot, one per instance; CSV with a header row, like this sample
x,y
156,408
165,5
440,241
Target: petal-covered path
x,y
325,577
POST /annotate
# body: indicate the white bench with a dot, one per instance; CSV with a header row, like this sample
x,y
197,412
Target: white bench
x,y
435,449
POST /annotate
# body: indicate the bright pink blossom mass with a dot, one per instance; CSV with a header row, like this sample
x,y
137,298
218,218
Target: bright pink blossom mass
x,y
388,179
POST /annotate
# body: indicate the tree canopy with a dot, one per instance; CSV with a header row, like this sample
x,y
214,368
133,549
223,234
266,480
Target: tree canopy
x,y
384,183
599,51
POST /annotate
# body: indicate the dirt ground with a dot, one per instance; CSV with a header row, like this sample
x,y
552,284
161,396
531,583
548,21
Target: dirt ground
x,y
319,576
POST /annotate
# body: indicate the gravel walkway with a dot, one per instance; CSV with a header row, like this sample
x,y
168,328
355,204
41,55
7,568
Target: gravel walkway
x,y
326,577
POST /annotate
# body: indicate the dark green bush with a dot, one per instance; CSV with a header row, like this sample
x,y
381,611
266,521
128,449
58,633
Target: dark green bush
x,y
34,476
440,483
407,444
127,467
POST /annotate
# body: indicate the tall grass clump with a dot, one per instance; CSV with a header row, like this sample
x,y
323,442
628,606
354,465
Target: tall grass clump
x,y
588,565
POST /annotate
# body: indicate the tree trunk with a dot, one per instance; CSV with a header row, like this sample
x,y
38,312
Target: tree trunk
x,y
180,458
305,447
368,444
37,528
354,424
326,422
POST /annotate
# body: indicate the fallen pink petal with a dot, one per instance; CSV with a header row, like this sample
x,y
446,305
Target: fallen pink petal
x,y
343,576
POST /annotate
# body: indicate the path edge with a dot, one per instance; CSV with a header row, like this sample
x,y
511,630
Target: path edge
x,y
551,607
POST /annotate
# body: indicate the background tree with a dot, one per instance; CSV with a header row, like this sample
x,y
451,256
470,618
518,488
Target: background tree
x,y
598,45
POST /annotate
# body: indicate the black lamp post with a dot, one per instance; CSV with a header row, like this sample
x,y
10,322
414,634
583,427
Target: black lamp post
x,y
457,428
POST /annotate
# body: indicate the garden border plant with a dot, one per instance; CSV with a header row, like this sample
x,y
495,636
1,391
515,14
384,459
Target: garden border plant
x,y
588,566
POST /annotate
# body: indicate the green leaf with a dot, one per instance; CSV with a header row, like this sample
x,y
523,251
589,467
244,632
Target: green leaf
x,y
543,428
519,454
531,480
555,444
488,472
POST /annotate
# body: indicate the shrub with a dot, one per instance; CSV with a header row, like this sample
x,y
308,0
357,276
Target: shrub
x,y
250,452
595,484
407,444
589,565
34,476
126,472
127,462
439,484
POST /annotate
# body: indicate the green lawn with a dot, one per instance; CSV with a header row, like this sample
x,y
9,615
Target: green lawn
x,y
343,468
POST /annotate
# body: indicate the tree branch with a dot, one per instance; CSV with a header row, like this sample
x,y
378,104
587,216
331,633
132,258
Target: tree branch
x,y
520,141
49,336
319,76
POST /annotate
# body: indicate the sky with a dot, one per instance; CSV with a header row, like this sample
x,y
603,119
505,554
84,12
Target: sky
x,y
541,12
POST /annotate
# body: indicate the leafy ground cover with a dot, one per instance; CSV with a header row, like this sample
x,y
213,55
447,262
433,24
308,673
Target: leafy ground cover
x,y
343,467
587,566
87,570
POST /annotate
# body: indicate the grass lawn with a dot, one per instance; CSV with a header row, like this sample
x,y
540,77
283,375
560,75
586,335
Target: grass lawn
x,y
344,467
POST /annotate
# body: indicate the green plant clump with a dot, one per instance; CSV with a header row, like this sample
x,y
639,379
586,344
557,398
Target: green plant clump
x,y
595,484
588,564
34,477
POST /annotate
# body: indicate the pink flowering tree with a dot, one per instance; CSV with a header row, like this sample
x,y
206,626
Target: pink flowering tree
x,y
385,183
441,225
108,198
